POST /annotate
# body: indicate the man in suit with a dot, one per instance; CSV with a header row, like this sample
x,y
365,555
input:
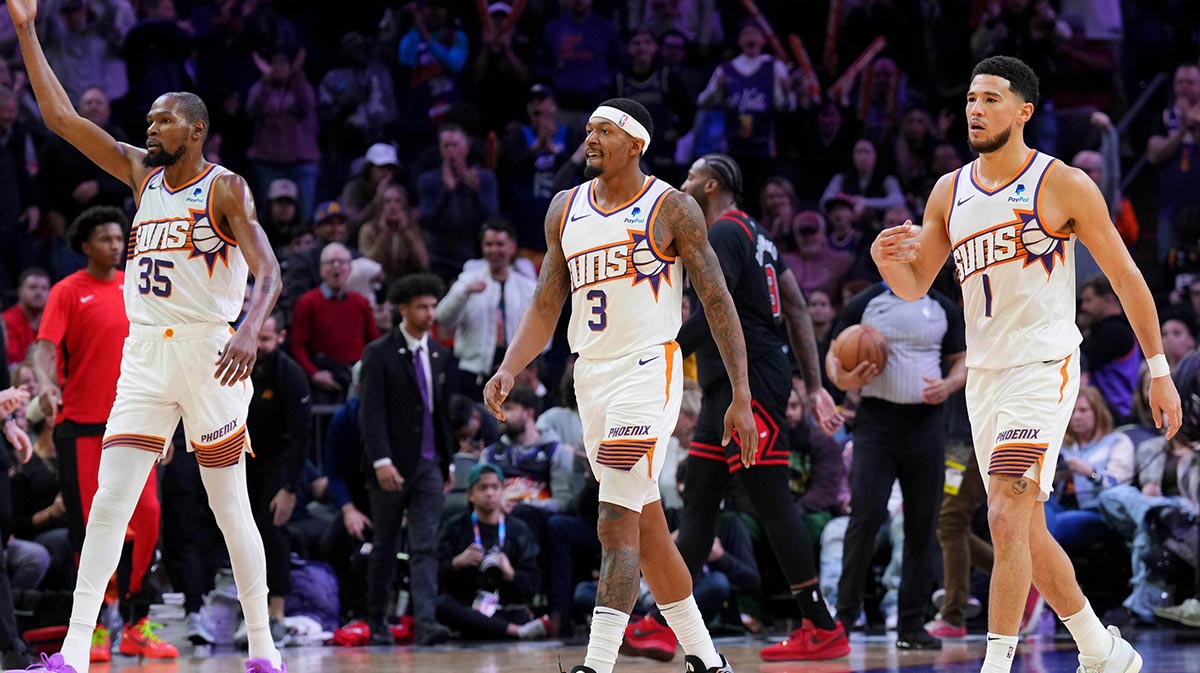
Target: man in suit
x,y
406,379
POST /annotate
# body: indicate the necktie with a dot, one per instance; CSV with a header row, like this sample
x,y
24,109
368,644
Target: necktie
x,y
501,335
428,448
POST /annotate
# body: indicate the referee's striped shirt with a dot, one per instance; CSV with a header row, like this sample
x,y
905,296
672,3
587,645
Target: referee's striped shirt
x,y
919,334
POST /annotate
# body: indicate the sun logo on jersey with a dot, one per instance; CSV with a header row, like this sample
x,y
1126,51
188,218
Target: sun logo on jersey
x,y
1038,244
205,241
1022,239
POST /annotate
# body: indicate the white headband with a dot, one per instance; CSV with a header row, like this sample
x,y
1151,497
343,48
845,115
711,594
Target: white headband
x,y
627,123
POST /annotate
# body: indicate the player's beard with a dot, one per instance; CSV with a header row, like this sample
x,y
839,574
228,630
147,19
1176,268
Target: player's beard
x,y
592,172
163,157
991,145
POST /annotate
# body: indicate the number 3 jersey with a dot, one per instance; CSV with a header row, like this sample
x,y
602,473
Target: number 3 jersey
x,y
1017,275
626,295
179,267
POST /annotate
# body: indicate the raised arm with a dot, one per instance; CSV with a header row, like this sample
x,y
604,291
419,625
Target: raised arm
x,y
909,257
540,319
233,211
682,218
121,160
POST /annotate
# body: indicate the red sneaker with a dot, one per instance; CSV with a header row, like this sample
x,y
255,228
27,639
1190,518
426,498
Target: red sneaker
x,y
140,640
402,632
650,639
808,643
1032,614
101,646
353,634
940,629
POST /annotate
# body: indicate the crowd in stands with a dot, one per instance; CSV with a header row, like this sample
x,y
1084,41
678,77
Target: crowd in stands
x,y
403,155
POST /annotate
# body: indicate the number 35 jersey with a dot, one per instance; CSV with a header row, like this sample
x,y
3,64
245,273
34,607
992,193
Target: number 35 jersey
x,y
626,295
179,267
1017,275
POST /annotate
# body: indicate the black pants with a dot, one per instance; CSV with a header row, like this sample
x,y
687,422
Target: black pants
x,y
894,441
421,498
192,545
475,625
344,554
264,477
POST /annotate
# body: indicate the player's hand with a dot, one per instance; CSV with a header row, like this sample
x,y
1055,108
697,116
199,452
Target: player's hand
x,y
740,419
22,448
935,391
236,360
356,522
12,398
22,11
282,505
896,245
389,478
496,391
1164,404
828,418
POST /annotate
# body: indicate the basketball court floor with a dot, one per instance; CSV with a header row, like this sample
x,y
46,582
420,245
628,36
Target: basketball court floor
x,y
1164,651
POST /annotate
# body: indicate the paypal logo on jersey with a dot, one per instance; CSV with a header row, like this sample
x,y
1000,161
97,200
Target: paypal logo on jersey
x,y
634,216
1017,195
196,197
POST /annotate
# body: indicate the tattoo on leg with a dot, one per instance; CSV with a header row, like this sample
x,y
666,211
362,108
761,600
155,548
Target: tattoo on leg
x,y
1019,486
620,570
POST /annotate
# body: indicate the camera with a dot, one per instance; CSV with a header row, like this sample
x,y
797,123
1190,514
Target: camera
x,y
490,568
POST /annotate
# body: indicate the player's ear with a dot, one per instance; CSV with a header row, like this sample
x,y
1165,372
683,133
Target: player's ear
x,y
1025,113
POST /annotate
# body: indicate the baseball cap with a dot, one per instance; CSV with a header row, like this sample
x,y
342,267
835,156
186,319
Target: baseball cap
x,y
500,8
327,210
476,473
283,188
382,154
808,220
842,198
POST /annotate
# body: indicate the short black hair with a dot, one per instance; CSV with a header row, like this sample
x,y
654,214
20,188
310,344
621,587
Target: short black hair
x,y
525,397
498,224
1021,78
634,109
460,409
32,272
415,285
192,107
1180,316
83,226
726,170
1098,283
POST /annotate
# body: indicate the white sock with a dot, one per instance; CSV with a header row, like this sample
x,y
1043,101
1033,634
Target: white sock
x,y
123,473
230,502
1092,639
685,620
608,630
1000,652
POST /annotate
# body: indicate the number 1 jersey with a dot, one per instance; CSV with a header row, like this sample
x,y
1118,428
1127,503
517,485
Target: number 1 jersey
x,y
179,267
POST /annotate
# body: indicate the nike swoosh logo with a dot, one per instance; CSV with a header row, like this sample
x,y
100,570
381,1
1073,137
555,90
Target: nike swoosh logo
x,y
966,199
84,300
579,217
991,638
642,362
152,186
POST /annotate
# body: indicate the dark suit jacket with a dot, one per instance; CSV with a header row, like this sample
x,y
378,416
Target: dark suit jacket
x,y
392,411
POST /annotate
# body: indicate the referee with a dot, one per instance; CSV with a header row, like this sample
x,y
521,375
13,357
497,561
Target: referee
x,y
899,433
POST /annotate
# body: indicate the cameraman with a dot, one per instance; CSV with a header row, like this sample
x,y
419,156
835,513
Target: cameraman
x,y
489,567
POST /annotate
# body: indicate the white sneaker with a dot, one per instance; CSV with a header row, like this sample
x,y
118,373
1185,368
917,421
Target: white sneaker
x,y
1122,658
198,632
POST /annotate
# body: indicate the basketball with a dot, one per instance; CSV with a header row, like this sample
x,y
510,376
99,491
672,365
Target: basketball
x,y
1035,240
645,261
860,342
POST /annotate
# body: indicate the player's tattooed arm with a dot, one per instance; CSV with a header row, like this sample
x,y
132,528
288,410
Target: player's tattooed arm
x,y
681,216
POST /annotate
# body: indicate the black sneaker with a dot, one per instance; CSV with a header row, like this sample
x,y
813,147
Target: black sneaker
x,y
381,634
431,633
694,664
917,640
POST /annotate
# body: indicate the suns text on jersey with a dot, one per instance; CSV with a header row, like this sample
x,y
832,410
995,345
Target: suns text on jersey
x,y
167,234
985,249
600,265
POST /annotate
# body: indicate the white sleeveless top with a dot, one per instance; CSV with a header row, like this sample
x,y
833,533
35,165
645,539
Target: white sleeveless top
x,y
1017,276
626,295
179,267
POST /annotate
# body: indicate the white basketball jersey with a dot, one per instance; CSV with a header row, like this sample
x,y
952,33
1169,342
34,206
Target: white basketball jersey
x,y
626,295
179,267
1017,276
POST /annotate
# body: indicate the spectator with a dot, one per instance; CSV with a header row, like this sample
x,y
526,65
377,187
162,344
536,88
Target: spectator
x,y
331,327
21,320
283,107
303,264
822,150
563,421
815,465
844,231
356,103
698,21
1179,339
870,191
282,221
19,214
484,307
156,52
280,420
539,471
77,42
1110,351
1095,458
362,197
912,150
466,419
393,238
779,205
1173,149
488,567
454,199
531,156
818,267
432,56
662,91
13,650
581,53
408,448
899,432
501,68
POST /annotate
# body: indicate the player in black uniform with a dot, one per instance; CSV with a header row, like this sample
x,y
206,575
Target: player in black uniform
x,y
770,308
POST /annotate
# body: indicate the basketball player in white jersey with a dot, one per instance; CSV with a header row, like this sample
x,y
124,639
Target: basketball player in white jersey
x,y
1010,221
616,244
194,239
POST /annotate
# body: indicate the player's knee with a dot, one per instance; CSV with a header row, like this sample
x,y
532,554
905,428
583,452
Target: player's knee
x,y
618,527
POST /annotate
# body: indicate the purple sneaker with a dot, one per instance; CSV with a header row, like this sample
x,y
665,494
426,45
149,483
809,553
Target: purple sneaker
x,y
257,666
50,664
